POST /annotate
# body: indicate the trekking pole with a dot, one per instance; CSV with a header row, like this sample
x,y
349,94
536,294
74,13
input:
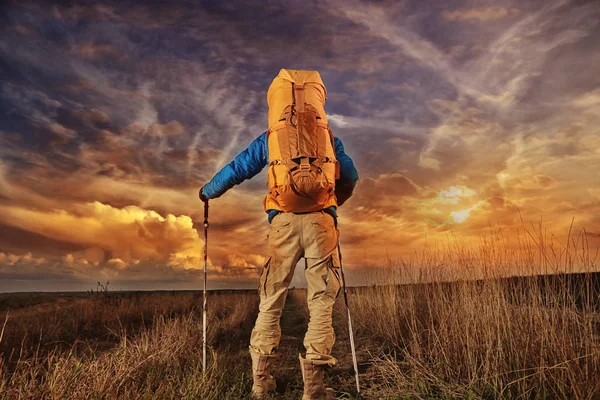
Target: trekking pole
x,y
204,291
351,334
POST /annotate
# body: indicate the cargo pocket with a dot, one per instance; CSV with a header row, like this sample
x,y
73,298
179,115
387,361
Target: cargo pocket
x,y
262,281
324,226
280,232
334,280
324,221
322,235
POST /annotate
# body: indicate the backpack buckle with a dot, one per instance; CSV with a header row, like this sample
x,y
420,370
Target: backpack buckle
x,y
304,166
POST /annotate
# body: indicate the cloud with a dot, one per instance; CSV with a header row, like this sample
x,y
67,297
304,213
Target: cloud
x,y
384,186
544,180
505,71
14,259
61,132
96,50
497,210
171,128
423,51
75,12
463,130
31,103
114,115
140,15
391,185
501,75
588,101
540,162
455,193
21,29
122,244
252,261
480,14
358,125
91,115
129,234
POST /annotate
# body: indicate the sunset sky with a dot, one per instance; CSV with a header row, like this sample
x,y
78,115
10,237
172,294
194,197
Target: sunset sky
x,y
458,115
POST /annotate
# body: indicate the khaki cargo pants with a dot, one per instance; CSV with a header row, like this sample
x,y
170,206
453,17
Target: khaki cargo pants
x,y
293,236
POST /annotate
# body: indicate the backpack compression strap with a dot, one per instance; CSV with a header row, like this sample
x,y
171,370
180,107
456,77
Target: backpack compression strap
x,y
298,97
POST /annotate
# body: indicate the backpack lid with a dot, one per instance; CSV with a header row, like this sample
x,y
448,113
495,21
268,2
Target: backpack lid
x,y
280,94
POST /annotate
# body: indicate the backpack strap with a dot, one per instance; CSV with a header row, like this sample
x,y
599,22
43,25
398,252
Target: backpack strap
x,y
331,138
321,141
299,97
284,144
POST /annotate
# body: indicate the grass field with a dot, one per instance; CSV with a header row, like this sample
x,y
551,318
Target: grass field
x,y
443,336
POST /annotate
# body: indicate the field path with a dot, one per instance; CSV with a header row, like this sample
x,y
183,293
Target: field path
x,y
294,322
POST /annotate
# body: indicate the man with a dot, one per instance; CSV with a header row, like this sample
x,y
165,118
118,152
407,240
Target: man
x,y
310,175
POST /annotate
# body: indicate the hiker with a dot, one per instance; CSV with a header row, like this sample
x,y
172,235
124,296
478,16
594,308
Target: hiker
x,y
309,176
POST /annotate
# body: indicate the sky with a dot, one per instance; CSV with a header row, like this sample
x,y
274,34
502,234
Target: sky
x,y
460,116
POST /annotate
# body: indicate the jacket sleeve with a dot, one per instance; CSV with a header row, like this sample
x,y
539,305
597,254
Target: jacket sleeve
x,y
246,165
344,186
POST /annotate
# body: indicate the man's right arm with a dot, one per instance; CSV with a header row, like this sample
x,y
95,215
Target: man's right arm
x,y
246,165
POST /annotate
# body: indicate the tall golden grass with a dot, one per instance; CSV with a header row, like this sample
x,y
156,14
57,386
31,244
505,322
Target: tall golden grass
x,y
161,360
460,327
463,331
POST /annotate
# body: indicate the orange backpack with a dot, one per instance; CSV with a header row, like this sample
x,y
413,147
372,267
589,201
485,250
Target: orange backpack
x,y
302,165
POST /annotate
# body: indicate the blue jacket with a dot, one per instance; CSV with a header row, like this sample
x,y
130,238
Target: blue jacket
x,y
252,160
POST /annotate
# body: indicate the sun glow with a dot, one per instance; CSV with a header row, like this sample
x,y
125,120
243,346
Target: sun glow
x,y
460,216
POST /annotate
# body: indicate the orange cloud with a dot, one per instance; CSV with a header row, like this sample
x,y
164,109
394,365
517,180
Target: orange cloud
x,y
480,14
171,128
127,234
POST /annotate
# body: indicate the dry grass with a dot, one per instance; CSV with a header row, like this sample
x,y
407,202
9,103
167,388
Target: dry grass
x,y
460,329
162,360
527,337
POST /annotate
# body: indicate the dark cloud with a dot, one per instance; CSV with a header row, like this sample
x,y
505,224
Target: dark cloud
x,y
14,240
96,50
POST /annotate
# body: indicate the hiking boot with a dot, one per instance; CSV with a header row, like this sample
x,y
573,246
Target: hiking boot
x,y
263,382
313,372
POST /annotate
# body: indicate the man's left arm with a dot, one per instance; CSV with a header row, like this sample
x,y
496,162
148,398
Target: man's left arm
x,y
344,186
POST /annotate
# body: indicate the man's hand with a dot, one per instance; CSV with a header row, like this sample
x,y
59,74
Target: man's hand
x,y
202,196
